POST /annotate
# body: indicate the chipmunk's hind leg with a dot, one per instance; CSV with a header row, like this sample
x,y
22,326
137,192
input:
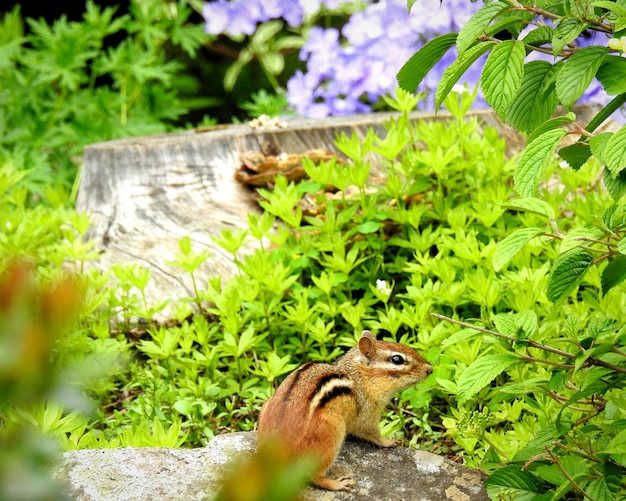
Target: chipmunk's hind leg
x,y
326,438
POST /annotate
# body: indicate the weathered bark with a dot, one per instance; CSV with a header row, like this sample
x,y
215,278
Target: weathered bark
x,y
145,194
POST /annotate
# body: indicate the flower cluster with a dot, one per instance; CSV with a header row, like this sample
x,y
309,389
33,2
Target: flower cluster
x,y
348,72
241,17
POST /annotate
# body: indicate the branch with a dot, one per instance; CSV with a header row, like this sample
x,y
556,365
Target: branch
x,y
534,344
568,476
504,336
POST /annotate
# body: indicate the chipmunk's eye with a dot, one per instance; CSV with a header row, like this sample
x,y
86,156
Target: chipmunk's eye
x,y
397,359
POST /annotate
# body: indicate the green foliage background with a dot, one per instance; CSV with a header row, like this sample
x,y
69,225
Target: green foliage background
x,y
507,274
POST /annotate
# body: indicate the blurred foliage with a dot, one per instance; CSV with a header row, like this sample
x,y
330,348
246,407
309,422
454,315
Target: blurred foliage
x,y
32,320
267,474
67,84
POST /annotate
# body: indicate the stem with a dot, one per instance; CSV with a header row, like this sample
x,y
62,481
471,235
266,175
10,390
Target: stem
x,y
545,13
595,241
578,452
560,399
530,358
568,476
504,336
534,344
195,291
270,76
619,352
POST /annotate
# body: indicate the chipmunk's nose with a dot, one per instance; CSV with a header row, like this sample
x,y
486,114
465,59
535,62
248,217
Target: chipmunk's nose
x,y
428,370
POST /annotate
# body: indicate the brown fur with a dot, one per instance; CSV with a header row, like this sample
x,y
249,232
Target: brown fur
x,y
317,405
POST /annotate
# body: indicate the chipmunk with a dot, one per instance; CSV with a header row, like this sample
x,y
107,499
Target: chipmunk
x,y
318,404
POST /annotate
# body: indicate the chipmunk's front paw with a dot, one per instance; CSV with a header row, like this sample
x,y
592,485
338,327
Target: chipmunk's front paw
x,y
342,483
387,442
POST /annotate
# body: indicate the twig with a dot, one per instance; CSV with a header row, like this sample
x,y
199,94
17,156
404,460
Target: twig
x,y
504,336
578,452
534,344
568,476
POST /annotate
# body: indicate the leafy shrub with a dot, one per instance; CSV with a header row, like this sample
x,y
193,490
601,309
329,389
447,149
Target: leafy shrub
x,y
62,90
385,256
573,336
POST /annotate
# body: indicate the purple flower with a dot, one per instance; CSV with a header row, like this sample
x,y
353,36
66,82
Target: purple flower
x,y
217,16
270,9
292,12
310,6
380,39
319,41
244,16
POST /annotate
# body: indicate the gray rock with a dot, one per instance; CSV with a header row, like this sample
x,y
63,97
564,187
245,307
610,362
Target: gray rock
x,y
160,474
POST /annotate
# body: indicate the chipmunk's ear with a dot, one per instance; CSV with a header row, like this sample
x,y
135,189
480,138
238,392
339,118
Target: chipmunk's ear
x,y
367,344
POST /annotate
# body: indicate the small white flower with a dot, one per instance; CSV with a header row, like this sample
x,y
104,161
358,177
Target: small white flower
x,y
459,89
382,286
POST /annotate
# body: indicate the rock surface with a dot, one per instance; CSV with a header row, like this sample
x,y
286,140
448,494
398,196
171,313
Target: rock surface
x,y
160,474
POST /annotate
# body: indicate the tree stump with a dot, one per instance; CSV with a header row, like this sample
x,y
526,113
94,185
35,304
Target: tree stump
x,y
144,194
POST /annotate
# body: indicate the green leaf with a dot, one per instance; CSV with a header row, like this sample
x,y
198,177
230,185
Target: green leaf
x,y
614,217
577,73
369,227
567,31
522,325
511,245
453,72
481,372
599,490
568,271
420,63
536,99
533,161
615,153
532,205
616,186
519,484
477,25
576,155
617,445
578,236
457,337
505,324
502,75
614,273
612,74
539,36
235,69
611,5
606,111
537,444
598,145
553,123
273,62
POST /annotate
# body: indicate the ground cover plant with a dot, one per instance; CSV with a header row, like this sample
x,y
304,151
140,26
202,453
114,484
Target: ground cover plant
x,y
507,274
385,257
